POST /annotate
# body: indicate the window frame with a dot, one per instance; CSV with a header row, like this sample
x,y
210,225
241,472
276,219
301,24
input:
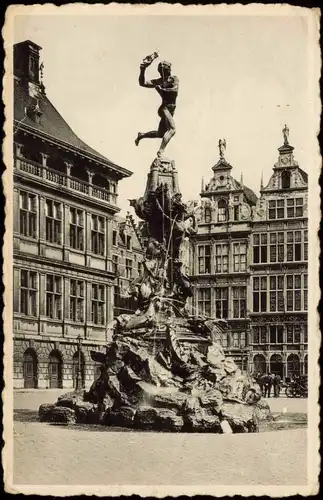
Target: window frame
x,y
54,297
28,214
98,234
77,229
28,294
53,222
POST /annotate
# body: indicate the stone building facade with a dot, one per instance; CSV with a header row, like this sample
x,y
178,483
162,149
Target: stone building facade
x,y
279,338
248,264
65,206
220,257
127,257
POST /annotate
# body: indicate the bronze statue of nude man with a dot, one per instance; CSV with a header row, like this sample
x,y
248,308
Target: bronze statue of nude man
x,y
167,87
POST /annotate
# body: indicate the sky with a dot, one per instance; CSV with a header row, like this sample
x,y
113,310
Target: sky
x,y
240,78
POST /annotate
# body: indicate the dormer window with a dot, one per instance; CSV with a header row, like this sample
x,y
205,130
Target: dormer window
x,y
33,68
222,211
128,242
285,176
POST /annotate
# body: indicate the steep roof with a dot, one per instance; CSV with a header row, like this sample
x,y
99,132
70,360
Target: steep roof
x,y
304,175
249,194
54,127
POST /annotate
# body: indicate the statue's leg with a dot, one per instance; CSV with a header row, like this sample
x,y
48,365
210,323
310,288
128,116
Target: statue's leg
x,y
169,125
153,134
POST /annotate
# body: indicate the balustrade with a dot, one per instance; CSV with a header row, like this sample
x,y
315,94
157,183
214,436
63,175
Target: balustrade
x,y
60,179
29,167
56,177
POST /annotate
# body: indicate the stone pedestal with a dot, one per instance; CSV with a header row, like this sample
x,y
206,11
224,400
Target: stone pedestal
x,y
162,172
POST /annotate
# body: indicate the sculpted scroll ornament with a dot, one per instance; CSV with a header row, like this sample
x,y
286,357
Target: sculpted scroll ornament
x,y
245,211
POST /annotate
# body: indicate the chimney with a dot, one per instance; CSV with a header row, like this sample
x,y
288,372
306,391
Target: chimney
x,y
26,62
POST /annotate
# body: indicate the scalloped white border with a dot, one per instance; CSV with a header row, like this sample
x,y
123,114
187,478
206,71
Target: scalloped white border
x,y
314,68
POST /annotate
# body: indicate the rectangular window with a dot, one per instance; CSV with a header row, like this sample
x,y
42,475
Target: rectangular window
x,y
53,222
276,209
114,238
76,229
53,296
305,334
260,294
295,207
128,268
28,214
207,215
305,245
293,293
294,246
263,335
276,293
276,334
260,248
239,302
204,301
98,304
293,334
221,303
204,259
139,268
97,234
221,258
28,292
77,300
259,334
255,335
235,339
239,257
276,248
305,292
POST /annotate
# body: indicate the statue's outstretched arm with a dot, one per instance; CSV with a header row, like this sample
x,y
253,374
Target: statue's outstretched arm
x,y
142,80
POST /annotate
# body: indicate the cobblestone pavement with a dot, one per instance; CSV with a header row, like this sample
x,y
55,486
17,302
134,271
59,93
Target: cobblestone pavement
x,y
48,454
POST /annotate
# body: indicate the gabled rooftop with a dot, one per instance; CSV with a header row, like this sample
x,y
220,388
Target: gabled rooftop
x,y
52,125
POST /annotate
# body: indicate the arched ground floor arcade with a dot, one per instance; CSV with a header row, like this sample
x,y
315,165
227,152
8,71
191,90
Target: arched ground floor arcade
x,y
286,364
42,364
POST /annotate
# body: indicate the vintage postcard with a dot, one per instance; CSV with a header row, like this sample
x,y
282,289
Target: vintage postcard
x,y
161,218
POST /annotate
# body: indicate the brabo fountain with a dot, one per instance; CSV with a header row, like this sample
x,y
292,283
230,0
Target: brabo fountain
x,y
163,369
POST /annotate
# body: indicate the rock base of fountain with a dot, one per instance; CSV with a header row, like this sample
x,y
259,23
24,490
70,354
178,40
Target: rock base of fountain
x,y
203,393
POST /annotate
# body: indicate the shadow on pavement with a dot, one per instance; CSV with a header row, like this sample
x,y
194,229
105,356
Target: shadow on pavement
x,y
25,416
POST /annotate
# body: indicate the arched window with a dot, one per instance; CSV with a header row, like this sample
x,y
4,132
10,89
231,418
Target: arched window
x,y
30,369
285,179
55,370
259,364
293,365
222,211
207,215
305,364
276,364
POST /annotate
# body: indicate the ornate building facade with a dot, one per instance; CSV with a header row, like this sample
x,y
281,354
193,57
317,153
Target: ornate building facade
x,y
65,203
127,257
220,256
278,268
248,264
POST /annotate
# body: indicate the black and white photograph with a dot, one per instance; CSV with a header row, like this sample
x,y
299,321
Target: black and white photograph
x,y
161,257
